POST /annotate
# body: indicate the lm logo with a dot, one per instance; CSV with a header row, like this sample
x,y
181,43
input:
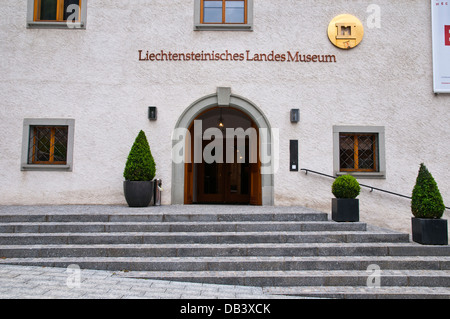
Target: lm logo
x,y
447,35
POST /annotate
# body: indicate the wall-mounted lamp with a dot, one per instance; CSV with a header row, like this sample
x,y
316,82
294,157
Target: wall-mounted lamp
x,y
295,115
152,116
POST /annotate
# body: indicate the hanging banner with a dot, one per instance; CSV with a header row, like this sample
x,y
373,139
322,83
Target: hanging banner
x,y
441,45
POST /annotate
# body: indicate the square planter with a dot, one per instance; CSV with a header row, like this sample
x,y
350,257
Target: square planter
x,y
427,231
345,209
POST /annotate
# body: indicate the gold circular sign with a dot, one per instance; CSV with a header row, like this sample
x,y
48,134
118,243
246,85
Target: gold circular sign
x,y
345,31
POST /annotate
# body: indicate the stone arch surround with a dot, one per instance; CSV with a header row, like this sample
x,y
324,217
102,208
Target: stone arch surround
x,y
224,98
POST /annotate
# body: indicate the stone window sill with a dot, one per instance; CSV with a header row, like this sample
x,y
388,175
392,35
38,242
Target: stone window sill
x,y
55,25
223,27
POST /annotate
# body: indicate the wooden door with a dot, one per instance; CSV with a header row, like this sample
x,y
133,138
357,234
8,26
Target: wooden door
x,y
255,175
227,183
223,183
189,169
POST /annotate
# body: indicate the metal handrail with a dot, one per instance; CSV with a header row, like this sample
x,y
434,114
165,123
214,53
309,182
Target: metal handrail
x,y
363,185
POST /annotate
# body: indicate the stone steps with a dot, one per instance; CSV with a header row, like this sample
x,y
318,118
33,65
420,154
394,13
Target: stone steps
x,y
269,264
200,237
225,226
308,278
157,214
361,292
221,250
288,250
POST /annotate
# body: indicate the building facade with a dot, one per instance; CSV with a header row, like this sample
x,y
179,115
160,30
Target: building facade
x,y
78,78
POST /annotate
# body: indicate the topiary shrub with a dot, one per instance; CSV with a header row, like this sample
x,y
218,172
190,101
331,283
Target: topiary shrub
x,y
345,186
140,164
426,200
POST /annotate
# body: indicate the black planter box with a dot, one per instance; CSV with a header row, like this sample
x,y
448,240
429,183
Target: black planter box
x,y
138,193
345,209
427,231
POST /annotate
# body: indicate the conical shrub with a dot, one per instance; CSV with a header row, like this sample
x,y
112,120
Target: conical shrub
x,y
426,200
140,165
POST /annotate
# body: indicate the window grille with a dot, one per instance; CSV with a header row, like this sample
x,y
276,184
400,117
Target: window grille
x,y
54,10
48,145
358,152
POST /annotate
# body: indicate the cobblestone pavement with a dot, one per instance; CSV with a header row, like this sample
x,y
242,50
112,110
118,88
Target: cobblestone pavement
x,y
30,282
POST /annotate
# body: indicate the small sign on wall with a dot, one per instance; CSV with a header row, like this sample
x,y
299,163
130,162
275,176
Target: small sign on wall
x,y
441,45
447,35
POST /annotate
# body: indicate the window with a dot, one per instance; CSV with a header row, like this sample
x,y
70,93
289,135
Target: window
x,y
55,10
57,13
223,15
225,11
359,150
47,144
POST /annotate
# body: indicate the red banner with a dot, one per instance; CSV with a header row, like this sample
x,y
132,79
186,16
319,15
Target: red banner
x,y
447,35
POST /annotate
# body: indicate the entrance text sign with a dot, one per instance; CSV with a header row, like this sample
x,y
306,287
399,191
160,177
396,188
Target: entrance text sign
x,y
247,56
441,45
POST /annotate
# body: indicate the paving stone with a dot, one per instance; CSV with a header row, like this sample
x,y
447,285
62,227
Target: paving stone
x,y
104,285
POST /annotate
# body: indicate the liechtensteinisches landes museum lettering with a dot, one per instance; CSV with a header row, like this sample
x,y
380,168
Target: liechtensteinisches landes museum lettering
x,y
216,56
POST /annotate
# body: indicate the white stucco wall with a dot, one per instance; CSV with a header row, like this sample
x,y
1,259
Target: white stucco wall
x,y
94,77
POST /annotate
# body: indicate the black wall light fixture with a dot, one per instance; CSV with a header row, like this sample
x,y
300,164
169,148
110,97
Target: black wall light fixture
x,y
295,115
152,114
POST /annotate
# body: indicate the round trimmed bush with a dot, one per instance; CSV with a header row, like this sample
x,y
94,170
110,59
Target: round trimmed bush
x,y
140,164
426,199
345,186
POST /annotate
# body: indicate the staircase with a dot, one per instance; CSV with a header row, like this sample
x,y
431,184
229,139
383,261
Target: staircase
x,y
287,250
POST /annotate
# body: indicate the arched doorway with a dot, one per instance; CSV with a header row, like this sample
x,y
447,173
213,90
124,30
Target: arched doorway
x,y
228,170
189,180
